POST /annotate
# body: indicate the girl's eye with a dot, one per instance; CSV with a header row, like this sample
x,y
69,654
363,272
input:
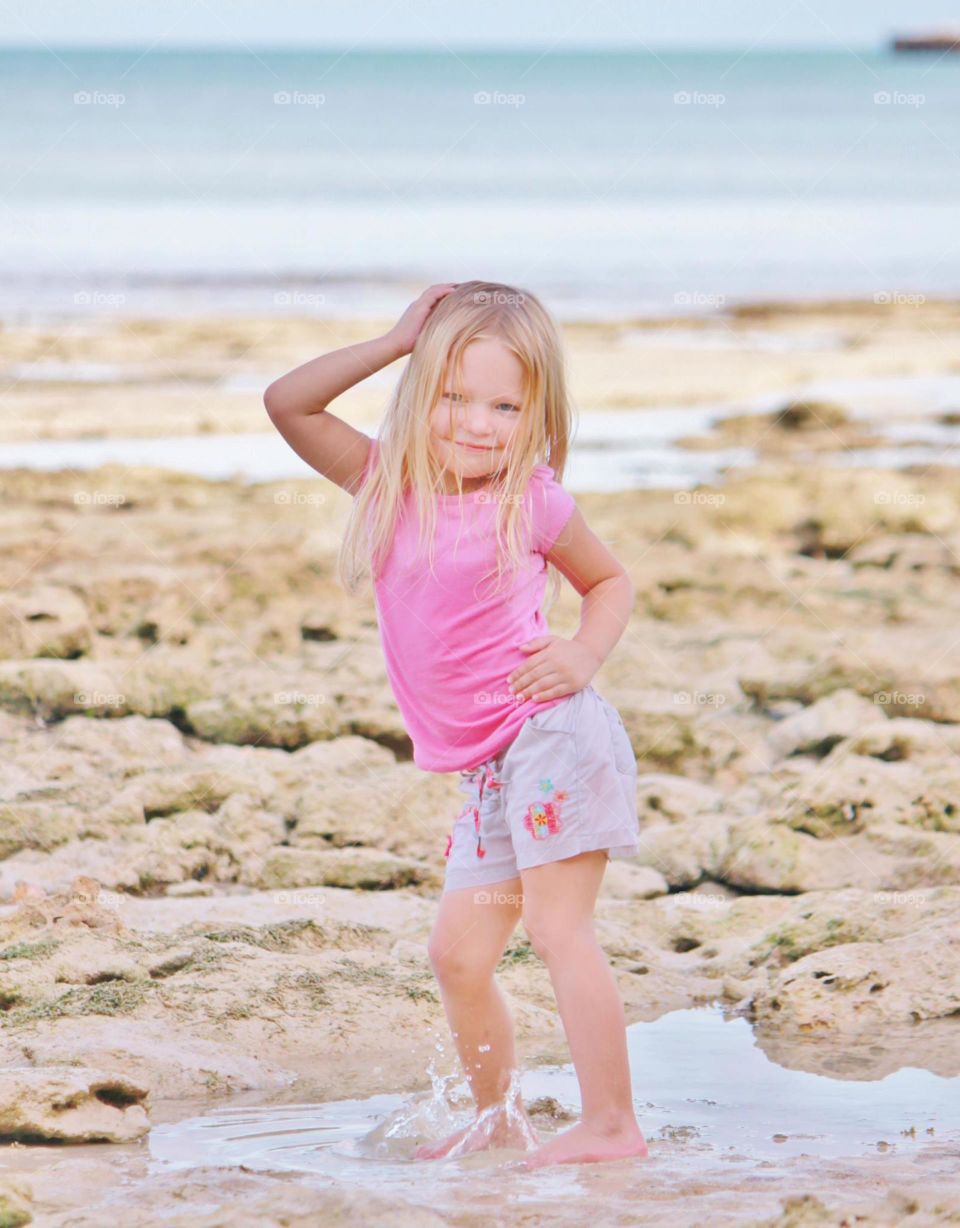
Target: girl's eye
x,y
455,396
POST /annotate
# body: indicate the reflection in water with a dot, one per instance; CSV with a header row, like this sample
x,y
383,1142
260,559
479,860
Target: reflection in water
x,y
705,1094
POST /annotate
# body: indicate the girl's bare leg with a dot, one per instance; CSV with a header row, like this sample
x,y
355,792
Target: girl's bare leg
x,y
559,899
472,928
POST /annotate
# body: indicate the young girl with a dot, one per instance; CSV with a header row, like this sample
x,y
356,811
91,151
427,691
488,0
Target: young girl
x,y
466,472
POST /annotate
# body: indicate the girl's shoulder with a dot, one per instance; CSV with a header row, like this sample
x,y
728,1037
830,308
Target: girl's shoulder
x,y
551,506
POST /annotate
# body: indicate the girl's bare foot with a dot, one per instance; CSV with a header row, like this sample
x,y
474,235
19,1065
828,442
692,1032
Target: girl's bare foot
x,y
581,1145
491,1128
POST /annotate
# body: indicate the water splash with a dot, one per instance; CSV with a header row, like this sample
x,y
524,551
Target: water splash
x,y
446,1109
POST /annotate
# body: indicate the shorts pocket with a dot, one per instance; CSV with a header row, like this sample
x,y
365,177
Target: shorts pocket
x,y
623,756
561,718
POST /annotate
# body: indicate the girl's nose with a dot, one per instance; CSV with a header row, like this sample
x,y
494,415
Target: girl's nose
x,y
478,420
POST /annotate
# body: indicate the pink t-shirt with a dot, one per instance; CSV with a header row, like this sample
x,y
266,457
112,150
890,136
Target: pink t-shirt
x,y
448,650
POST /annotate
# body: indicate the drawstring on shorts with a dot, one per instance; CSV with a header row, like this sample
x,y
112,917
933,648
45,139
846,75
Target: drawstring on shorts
x,y
488,780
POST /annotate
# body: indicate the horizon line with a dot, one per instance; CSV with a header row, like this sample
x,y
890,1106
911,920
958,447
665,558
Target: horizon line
x,y
459,48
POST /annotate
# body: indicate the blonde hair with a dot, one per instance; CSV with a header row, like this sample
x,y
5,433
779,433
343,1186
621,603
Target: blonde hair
x,y
404,461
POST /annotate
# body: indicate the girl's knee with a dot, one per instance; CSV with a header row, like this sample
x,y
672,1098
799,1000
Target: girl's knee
x,y
456,964
552,935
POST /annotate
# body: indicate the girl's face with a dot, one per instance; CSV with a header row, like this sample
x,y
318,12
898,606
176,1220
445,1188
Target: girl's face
x,y
484,415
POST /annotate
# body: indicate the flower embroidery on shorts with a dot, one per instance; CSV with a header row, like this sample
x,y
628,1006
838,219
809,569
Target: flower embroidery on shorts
x,y
543,818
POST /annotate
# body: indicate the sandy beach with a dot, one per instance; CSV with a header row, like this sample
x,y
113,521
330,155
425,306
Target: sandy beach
x,y
220,865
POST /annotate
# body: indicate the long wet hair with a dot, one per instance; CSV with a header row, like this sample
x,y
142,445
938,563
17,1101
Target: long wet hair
x,y
404,461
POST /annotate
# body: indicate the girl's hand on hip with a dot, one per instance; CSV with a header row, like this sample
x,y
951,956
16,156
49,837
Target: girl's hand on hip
x,y
556,667
406,330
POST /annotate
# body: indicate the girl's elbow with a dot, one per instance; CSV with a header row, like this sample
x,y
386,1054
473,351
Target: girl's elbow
x,y
272,400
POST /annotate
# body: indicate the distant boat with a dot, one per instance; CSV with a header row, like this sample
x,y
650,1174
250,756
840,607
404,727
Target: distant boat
x,y
935,40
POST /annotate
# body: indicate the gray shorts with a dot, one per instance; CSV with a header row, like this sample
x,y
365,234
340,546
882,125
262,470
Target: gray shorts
x,y
566,784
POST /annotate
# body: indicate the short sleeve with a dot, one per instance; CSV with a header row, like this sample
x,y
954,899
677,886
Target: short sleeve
x,y
552,507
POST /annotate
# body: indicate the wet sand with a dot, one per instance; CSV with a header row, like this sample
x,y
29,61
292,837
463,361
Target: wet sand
x,y
220,866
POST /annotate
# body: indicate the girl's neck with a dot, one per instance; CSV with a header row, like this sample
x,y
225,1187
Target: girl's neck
x,y
470,486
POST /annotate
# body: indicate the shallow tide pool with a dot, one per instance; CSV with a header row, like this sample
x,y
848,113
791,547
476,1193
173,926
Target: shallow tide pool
x,y
706,1095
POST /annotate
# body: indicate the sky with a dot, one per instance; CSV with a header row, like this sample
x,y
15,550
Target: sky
x,y
658,24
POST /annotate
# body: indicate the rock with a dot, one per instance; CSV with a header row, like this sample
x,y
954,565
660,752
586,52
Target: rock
x,y
158,1053
684,853
624,881
44,621
341,811
71,1104
902,683
905,738
850,792
817,729
907,554
80,906
820,920
763,856
162,794
35,825
158,686
810,416
868,985
677,737
675,798
408,952
53,689
365,868
15,1202
263,708
123,743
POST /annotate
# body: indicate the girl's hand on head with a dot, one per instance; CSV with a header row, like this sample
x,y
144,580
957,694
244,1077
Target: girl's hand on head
x,y
556,667
406,330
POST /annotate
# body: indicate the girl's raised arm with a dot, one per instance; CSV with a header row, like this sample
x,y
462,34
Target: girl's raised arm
x,y
297,402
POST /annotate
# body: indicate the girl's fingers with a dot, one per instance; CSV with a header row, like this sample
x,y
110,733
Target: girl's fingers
x,y
539,683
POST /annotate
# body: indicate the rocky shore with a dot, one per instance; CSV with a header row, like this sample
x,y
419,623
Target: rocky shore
x,y
219,866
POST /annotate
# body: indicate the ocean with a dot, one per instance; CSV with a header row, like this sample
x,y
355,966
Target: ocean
x,y
341,182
